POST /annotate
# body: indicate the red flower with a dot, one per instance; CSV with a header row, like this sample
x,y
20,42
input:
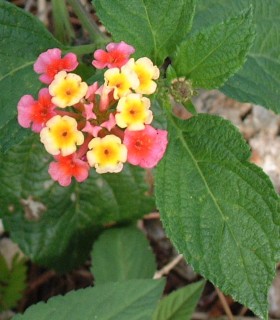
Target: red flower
x,y
116,56
49,63
145,147
67,167
35,114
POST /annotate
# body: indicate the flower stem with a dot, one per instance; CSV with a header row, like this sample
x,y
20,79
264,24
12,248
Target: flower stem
x,y
87,22
84,147
118,132
67,113
83,49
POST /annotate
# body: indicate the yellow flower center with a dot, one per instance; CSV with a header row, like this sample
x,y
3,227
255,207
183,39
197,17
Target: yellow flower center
x,y
107,154
61,135
67,89
121,81
133,112
144,76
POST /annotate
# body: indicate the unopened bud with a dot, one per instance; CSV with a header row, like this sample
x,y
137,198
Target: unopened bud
x,y
181,90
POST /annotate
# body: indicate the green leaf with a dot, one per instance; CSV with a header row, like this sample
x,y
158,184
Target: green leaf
x,y
259,80
122,254
153,27
159,120
53,225
218,209
211,56
179,304
12,282
23,38
128,300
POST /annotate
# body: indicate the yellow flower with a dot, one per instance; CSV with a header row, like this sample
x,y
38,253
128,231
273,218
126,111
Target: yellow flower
x,y
67,89
146,73
61,135
133,112
121,81
107,154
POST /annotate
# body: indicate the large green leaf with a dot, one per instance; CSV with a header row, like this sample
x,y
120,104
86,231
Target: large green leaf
x,y
23,38
259,80
211,56
62,236
128,300
180,304
153,27
219,210
122,254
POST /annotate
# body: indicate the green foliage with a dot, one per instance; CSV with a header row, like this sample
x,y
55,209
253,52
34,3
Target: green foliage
x,y
218,209
122,254
159,120
179,304
53,225
153,27
211,56
12,282
23,38
127,300
259,80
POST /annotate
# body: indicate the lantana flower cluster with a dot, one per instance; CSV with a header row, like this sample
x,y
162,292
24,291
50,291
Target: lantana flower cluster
x,y
95,126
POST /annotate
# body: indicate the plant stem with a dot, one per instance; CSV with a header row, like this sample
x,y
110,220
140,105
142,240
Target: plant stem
x,y
87,22
80,50
63,29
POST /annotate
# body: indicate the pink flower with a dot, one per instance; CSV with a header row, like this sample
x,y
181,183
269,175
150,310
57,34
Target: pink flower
x,y
145,147
90,95
110,123
35,114
49,63
116,56
91,129
67,167
106,97
88,111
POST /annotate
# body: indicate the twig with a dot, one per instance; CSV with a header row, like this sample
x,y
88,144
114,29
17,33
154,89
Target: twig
x,y
152,215
42,11
243,311
167,268
224,304
39,281
28,5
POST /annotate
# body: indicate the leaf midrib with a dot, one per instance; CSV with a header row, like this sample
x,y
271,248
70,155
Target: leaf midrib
x,y
150,25
17,69
215,49
181,137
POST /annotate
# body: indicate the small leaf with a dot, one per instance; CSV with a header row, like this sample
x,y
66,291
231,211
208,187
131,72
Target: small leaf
x,y
12,282
153,27
128,300
23,38
122,254
180,304
211,56
55,226
218,209
259,80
